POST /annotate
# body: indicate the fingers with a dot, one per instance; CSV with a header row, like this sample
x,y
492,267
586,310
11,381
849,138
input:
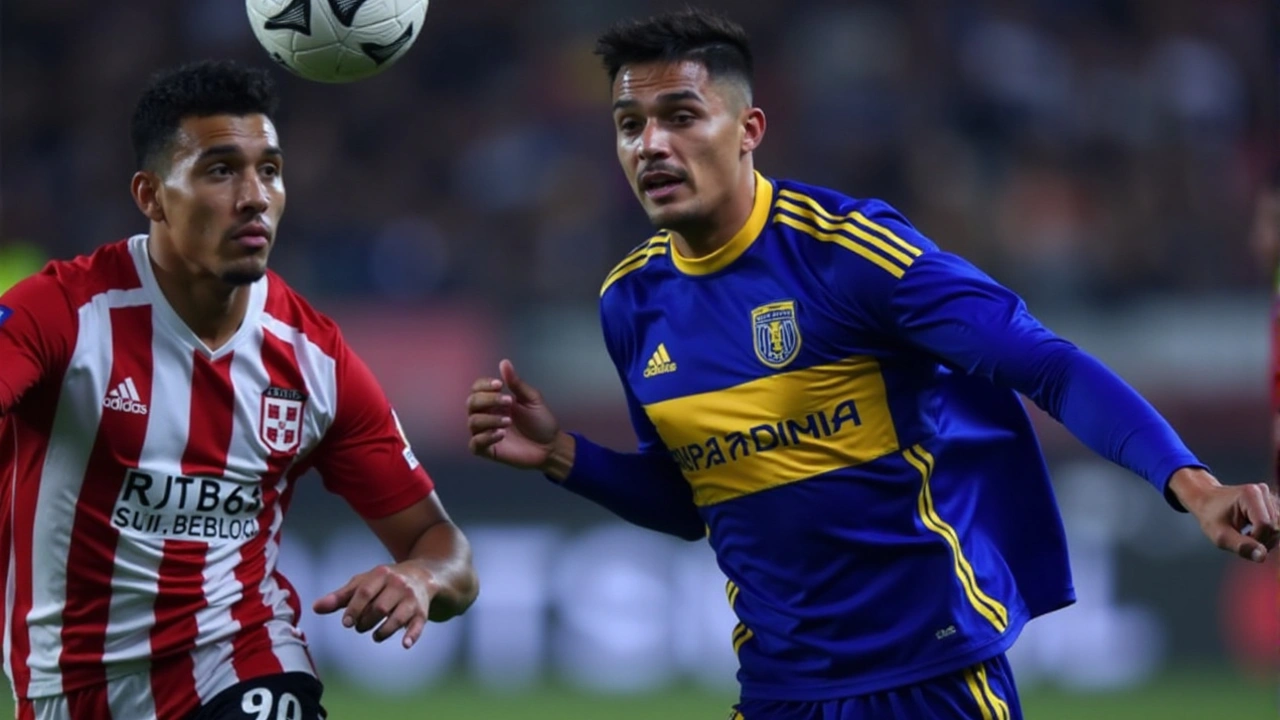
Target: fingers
x,y
481,423
488,402
488,412
380,598
381,607
416,626
1259,508
363,595
507,370
400,616
1259,505
1231,540
485,443
523,392
337,599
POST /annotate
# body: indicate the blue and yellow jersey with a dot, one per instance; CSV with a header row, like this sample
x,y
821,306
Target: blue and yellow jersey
x,y
878,503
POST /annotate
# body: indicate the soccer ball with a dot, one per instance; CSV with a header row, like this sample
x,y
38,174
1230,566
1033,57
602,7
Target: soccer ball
x,y
336,41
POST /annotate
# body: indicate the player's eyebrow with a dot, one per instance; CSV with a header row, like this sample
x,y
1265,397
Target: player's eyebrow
x,y
663,99
216,150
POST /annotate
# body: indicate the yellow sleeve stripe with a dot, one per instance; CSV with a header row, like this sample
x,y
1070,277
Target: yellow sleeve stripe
x,y
986,606
638,257
741,634
997,703
858,219
867,253
821,220
731,591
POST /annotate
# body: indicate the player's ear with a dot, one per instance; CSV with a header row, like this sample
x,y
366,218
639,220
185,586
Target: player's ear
x,y
753,125
145,188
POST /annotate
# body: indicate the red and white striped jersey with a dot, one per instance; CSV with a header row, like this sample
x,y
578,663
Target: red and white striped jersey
x,y
144,478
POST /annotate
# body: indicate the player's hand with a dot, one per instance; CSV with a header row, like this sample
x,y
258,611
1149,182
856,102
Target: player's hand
x,y
513,426
398,596
1243,519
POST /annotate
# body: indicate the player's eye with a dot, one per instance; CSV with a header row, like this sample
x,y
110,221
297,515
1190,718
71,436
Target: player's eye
x,y
219,170
270,170
629,126
682,118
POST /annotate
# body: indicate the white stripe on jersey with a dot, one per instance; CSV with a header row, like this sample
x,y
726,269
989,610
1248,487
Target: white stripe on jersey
x,y
71,441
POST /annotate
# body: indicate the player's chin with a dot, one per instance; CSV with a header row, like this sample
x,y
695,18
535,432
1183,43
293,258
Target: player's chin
x,y
669,214
245,271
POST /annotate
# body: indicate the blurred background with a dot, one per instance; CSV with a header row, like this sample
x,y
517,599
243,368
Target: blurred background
x,y
1106,158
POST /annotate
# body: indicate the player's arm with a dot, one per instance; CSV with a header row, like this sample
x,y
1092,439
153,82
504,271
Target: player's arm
x,y
365,458
946,306
645,488
37,331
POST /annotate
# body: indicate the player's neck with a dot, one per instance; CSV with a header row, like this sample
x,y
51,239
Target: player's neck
x,y
211,308
714,232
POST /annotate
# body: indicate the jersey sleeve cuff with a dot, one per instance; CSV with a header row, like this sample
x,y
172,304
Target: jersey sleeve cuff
x,y
1164,473
587,458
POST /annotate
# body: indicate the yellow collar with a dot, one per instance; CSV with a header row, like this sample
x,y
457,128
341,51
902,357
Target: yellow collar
x,y
737,244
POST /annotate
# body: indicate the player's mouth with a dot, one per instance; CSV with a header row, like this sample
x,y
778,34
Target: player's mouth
x,y
659,184
253,236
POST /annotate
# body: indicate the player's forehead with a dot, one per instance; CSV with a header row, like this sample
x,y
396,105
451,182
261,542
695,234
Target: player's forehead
x,y
251,134
653,82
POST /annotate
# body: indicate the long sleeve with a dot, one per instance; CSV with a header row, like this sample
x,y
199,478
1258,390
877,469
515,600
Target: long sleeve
x,y
946,306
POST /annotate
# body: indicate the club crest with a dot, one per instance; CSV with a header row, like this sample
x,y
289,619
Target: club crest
x,y
776,333
280,425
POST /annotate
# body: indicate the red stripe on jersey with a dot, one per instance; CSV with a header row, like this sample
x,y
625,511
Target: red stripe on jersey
x,y
91,558
179,594
26,710
295,603
180,591
28,434
93,702
213,404
252,654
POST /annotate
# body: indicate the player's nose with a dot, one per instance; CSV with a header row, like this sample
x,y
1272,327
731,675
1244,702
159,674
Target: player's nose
x,y
253,196
654,142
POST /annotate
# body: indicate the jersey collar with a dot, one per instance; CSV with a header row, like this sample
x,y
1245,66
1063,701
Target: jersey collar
x,y
737,244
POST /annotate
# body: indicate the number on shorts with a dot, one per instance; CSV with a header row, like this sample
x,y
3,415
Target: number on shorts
x,y
260,701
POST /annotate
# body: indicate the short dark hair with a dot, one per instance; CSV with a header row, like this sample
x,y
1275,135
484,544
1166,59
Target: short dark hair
x,y
198,89
703,36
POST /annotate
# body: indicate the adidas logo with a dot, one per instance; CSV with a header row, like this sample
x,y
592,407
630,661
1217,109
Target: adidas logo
x,y
124,398
659,363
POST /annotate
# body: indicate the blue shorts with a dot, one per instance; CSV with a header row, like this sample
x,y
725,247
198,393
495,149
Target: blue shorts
x,y
980,692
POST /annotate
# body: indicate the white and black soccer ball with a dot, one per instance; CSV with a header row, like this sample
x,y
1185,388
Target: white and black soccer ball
x,y
336,41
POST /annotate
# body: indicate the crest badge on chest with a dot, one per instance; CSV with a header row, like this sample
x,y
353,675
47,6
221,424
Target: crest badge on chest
x,y
776,333
280,423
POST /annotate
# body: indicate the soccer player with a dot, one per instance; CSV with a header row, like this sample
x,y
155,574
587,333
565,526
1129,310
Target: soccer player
x,y
832,400
159,400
